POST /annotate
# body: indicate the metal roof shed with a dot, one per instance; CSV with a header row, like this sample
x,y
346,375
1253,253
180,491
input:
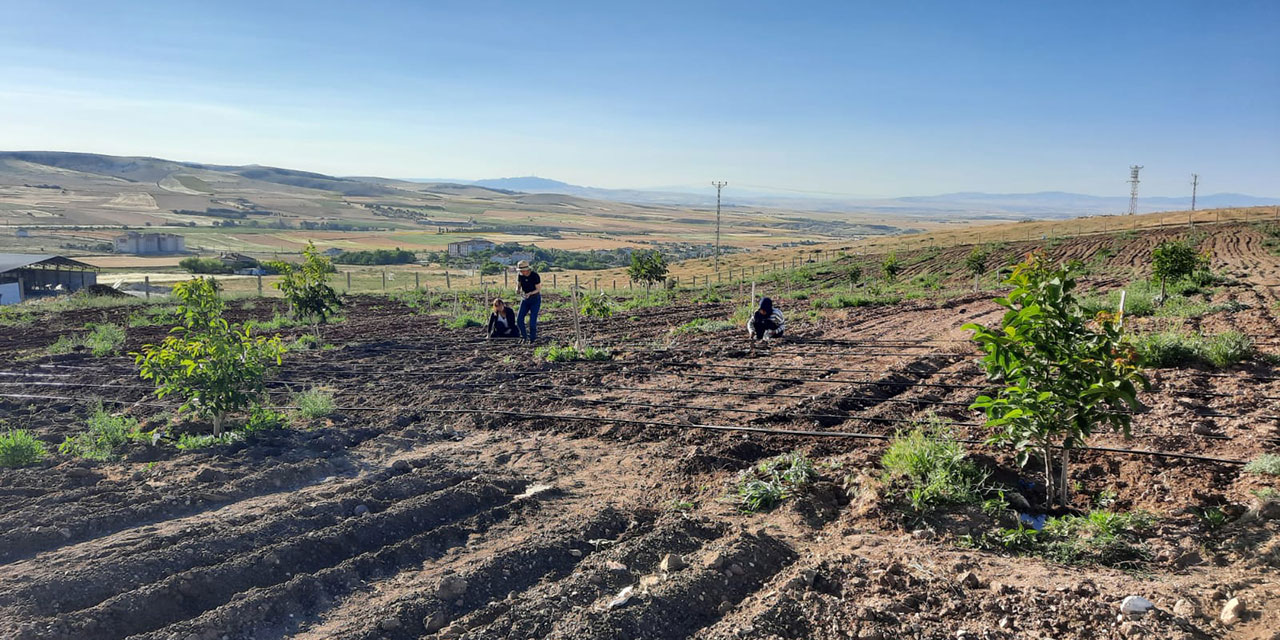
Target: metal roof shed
x,y
33,273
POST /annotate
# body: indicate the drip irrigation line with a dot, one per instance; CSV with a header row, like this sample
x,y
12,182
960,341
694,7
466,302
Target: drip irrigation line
x,y
690,426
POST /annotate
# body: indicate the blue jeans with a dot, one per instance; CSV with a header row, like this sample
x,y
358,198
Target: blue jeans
x,y
530,307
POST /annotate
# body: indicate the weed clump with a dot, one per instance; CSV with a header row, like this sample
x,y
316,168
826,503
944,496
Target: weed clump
x,y
18,448
314,403
764,486
1099,537
1266,464
701,325
1174,348
569,353
102,340
927,468
264,419
105,433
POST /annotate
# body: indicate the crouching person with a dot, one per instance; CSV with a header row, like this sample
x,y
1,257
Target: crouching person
x,y
502,322
766,322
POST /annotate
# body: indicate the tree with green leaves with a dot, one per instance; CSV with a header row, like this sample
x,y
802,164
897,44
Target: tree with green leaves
x,y
1173,260
215,367
306,286
890,267
1064,373
976,263
648,267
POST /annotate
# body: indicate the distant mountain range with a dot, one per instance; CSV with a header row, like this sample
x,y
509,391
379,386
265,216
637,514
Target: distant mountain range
x,y
1039,204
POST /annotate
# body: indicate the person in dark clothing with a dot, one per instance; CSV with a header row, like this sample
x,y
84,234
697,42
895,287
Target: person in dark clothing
x,y
502,322
529,286
766,322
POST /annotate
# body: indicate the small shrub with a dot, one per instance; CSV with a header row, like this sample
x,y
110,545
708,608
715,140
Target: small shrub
x,y
1266,464
315,403
569,353
205,266
105,433
304,342
276,323
1099,537
1213,518
846,300
18,448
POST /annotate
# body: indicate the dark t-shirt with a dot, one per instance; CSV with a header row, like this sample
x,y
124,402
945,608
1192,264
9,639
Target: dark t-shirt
x,y
527,283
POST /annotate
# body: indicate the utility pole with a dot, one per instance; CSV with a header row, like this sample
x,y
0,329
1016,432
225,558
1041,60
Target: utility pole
x,y
718,185
1133,188
1195,182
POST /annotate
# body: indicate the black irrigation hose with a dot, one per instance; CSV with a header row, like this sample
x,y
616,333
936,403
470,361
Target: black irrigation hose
x,y
712,427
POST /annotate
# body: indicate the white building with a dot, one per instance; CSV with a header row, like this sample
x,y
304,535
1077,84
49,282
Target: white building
x,y
149,243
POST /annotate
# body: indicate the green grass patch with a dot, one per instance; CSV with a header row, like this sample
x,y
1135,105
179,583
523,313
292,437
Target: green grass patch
x,y
767,484
314,403
1099,537
156,316
103,339
926,468
657,298
701,325
569,353
263,419
847,300
466,320
104,434
1175,348
277,322
18,448
1267,464
193,442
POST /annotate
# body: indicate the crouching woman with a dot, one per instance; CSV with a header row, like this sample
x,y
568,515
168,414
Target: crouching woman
x,y
502,322
766,323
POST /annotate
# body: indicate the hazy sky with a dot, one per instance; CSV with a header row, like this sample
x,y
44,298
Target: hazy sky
x,y
865,98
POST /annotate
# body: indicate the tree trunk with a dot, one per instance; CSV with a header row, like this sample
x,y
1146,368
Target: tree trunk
x,y
1050,492
976,277
1162,281
217,423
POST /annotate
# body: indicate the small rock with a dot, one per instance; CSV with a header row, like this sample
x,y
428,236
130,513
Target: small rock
x,y
999,588
1017,501
737,570
1186,608
922,534
577,553
1202,429
361,509
622,598
615,566
1232,612
435,621
401,466
80,472
795,584
672,562
1136,605
389,624
970,579
451,587
209,474
1268,509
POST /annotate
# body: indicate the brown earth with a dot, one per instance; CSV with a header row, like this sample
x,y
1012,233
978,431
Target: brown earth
x,y
427,507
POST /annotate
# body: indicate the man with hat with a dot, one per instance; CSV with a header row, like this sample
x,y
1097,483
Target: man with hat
x,y
529,286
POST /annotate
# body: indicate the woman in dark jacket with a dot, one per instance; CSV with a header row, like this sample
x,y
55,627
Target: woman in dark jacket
x,y
502,322
766,322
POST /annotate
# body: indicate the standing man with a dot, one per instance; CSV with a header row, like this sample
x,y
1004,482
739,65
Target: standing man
x,y
529,286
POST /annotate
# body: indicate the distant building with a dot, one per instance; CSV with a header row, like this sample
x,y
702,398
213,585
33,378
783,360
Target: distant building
x,y
22,233
468,247
333,252
513,257
237,260
149,243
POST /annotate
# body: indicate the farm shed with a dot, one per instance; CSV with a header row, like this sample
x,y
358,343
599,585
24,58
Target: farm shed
x,y
26,273
149,243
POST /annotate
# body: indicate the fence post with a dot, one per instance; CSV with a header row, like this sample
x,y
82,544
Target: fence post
x,y
505,271
259,285
417,281
447,283
348,281
615,284
384,280
753,294
553,281
577,324
146,284
595,284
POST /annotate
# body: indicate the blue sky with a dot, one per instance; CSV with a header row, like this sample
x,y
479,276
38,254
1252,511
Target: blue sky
x,y
861,98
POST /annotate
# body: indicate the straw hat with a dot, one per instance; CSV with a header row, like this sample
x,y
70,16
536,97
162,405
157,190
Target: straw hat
x,y
523,264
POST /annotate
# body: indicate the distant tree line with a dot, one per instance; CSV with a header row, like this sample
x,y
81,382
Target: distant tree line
x,y
377,256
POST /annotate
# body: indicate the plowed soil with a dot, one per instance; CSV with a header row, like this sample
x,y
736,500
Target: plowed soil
x,y
464,489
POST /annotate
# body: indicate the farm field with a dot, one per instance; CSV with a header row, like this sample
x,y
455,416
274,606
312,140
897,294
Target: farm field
x,y
468,489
